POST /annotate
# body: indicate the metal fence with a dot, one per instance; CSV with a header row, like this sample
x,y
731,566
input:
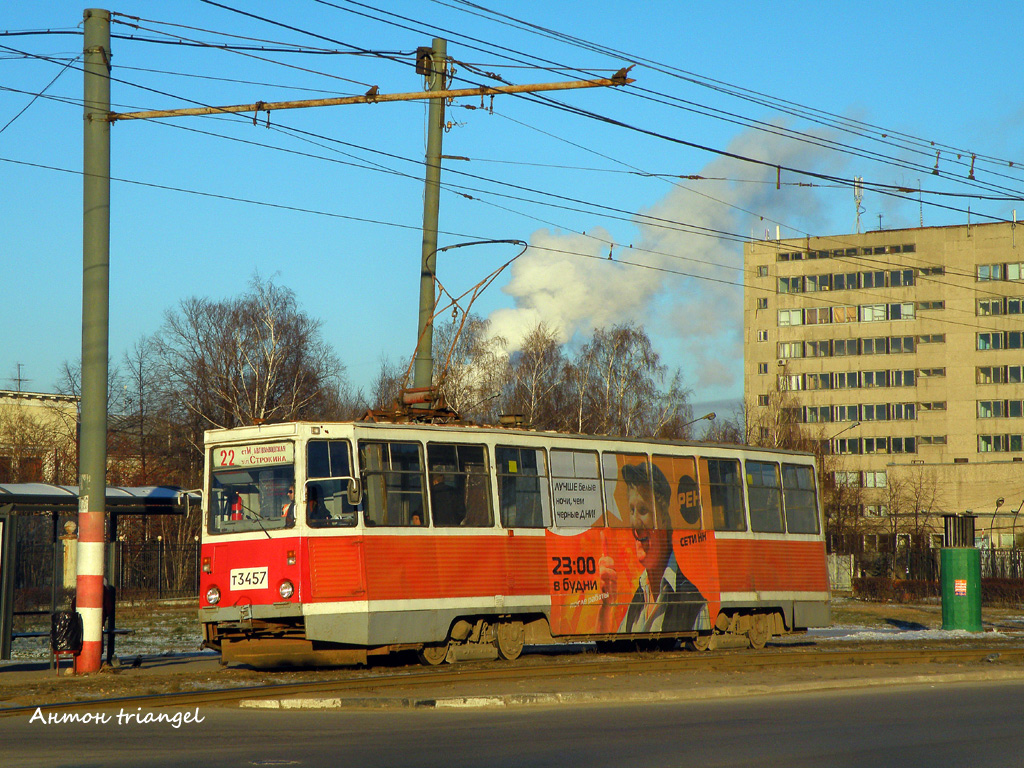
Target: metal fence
x,y
151,569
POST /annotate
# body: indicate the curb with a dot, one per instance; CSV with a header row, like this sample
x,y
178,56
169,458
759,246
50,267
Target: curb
x,y
619,697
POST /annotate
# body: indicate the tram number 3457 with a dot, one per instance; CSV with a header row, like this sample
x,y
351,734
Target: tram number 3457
x,y
248,578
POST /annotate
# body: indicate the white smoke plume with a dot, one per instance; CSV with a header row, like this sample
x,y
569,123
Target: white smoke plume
x,y
696,320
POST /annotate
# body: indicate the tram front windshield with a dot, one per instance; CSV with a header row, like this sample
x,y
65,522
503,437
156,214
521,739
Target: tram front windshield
x,y
252,499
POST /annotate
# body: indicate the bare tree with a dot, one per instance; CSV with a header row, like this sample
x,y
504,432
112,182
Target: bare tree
x,y
252,359
537,380
471,368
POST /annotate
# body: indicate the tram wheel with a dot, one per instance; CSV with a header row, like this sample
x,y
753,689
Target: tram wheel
x,y
434,654
511,639
759,631
701,643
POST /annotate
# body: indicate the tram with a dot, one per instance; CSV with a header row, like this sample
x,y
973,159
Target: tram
x,y
329,543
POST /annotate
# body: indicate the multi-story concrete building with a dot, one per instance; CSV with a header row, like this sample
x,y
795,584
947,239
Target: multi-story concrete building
x,y
38,437
903,351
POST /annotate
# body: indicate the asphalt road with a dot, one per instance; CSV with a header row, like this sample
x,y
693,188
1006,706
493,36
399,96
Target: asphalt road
x,y
936,726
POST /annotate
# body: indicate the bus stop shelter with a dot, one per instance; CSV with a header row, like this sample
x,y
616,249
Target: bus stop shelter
x,y
23,499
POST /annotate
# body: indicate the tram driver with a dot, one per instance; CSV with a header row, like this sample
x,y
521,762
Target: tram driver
x,y
665,600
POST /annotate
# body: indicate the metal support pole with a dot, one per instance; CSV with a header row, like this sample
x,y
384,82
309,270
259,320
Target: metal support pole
x,y
95,318
423,371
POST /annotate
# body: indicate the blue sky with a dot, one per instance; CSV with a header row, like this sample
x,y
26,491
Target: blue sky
x,y
920,72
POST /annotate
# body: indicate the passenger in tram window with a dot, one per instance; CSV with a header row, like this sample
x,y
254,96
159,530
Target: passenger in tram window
x,y
315,510
288,509
665,600
446,501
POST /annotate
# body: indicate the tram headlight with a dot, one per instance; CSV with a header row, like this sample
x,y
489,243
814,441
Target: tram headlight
x,y
287,589
213,595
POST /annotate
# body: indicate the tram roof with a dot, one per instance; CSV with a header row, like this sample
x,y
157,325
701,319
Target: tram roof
x,y
145,500
323,429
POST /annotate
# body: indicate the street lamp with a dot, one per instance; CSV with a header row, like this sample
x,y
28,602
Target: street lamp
x,y
708,416
992,525
1014,529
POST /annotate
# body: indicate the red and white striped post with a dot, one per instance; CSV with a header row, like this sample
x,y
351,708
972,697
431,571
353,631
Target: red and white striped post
x,y
92,471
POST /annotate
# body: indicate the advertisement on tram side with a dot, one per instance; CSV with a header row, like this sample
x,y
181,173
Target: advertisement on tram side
x,y
645,563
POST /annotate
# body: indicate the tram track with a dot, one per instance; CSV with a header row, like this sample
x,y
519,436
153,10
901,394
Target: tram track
x,y
388,683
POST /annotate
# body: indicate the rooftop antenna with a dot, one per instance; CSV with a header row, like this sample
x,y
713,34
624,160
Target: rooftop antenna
x,y
879,222
858,196
920,202
19,379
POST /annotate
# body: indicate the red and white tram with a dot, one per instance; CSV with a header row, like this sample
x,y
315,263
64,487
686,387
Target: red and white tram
x,y
327,543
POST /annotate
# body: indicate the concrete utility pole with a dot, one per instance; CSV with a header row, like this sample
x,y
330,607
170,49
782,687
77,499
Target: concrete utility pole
x,y
92,482
423,372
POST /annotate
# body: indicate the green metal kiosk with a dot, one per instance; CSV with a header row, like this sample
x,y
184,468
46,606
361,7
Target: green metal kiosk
x,y
960,567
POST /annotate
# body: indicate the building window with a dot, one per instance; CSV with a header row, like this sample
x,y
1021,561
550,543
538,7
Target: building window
x,y
791,284
870,379
845,281
990,306
991,374
847,446
788,349
876,510
762,367
872,313
844,347
931,305
844,314
872,279
762,400
1015,408
932,439
901,344
817,414
847,413
816,349
791,317
874,479
901,277
990,272
762,335
847,479
1014,306
762,303
992,443
876,445
764,433
902,378
929,271
762,271
904,311
933,338
818,315
1015,271
1014,339
931,373
814,283
903,444
818,380
873,346
874,412
846,380
935,405
790,382
990,340
991,409
1015,374
904,411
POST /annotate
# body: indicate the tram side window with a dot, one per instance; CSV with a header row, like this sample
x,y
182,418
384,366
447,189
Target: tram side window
x,y
576,491
394,483
459,485
764,494
627,486
328,471
250,499
725,493
800,499
523,487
